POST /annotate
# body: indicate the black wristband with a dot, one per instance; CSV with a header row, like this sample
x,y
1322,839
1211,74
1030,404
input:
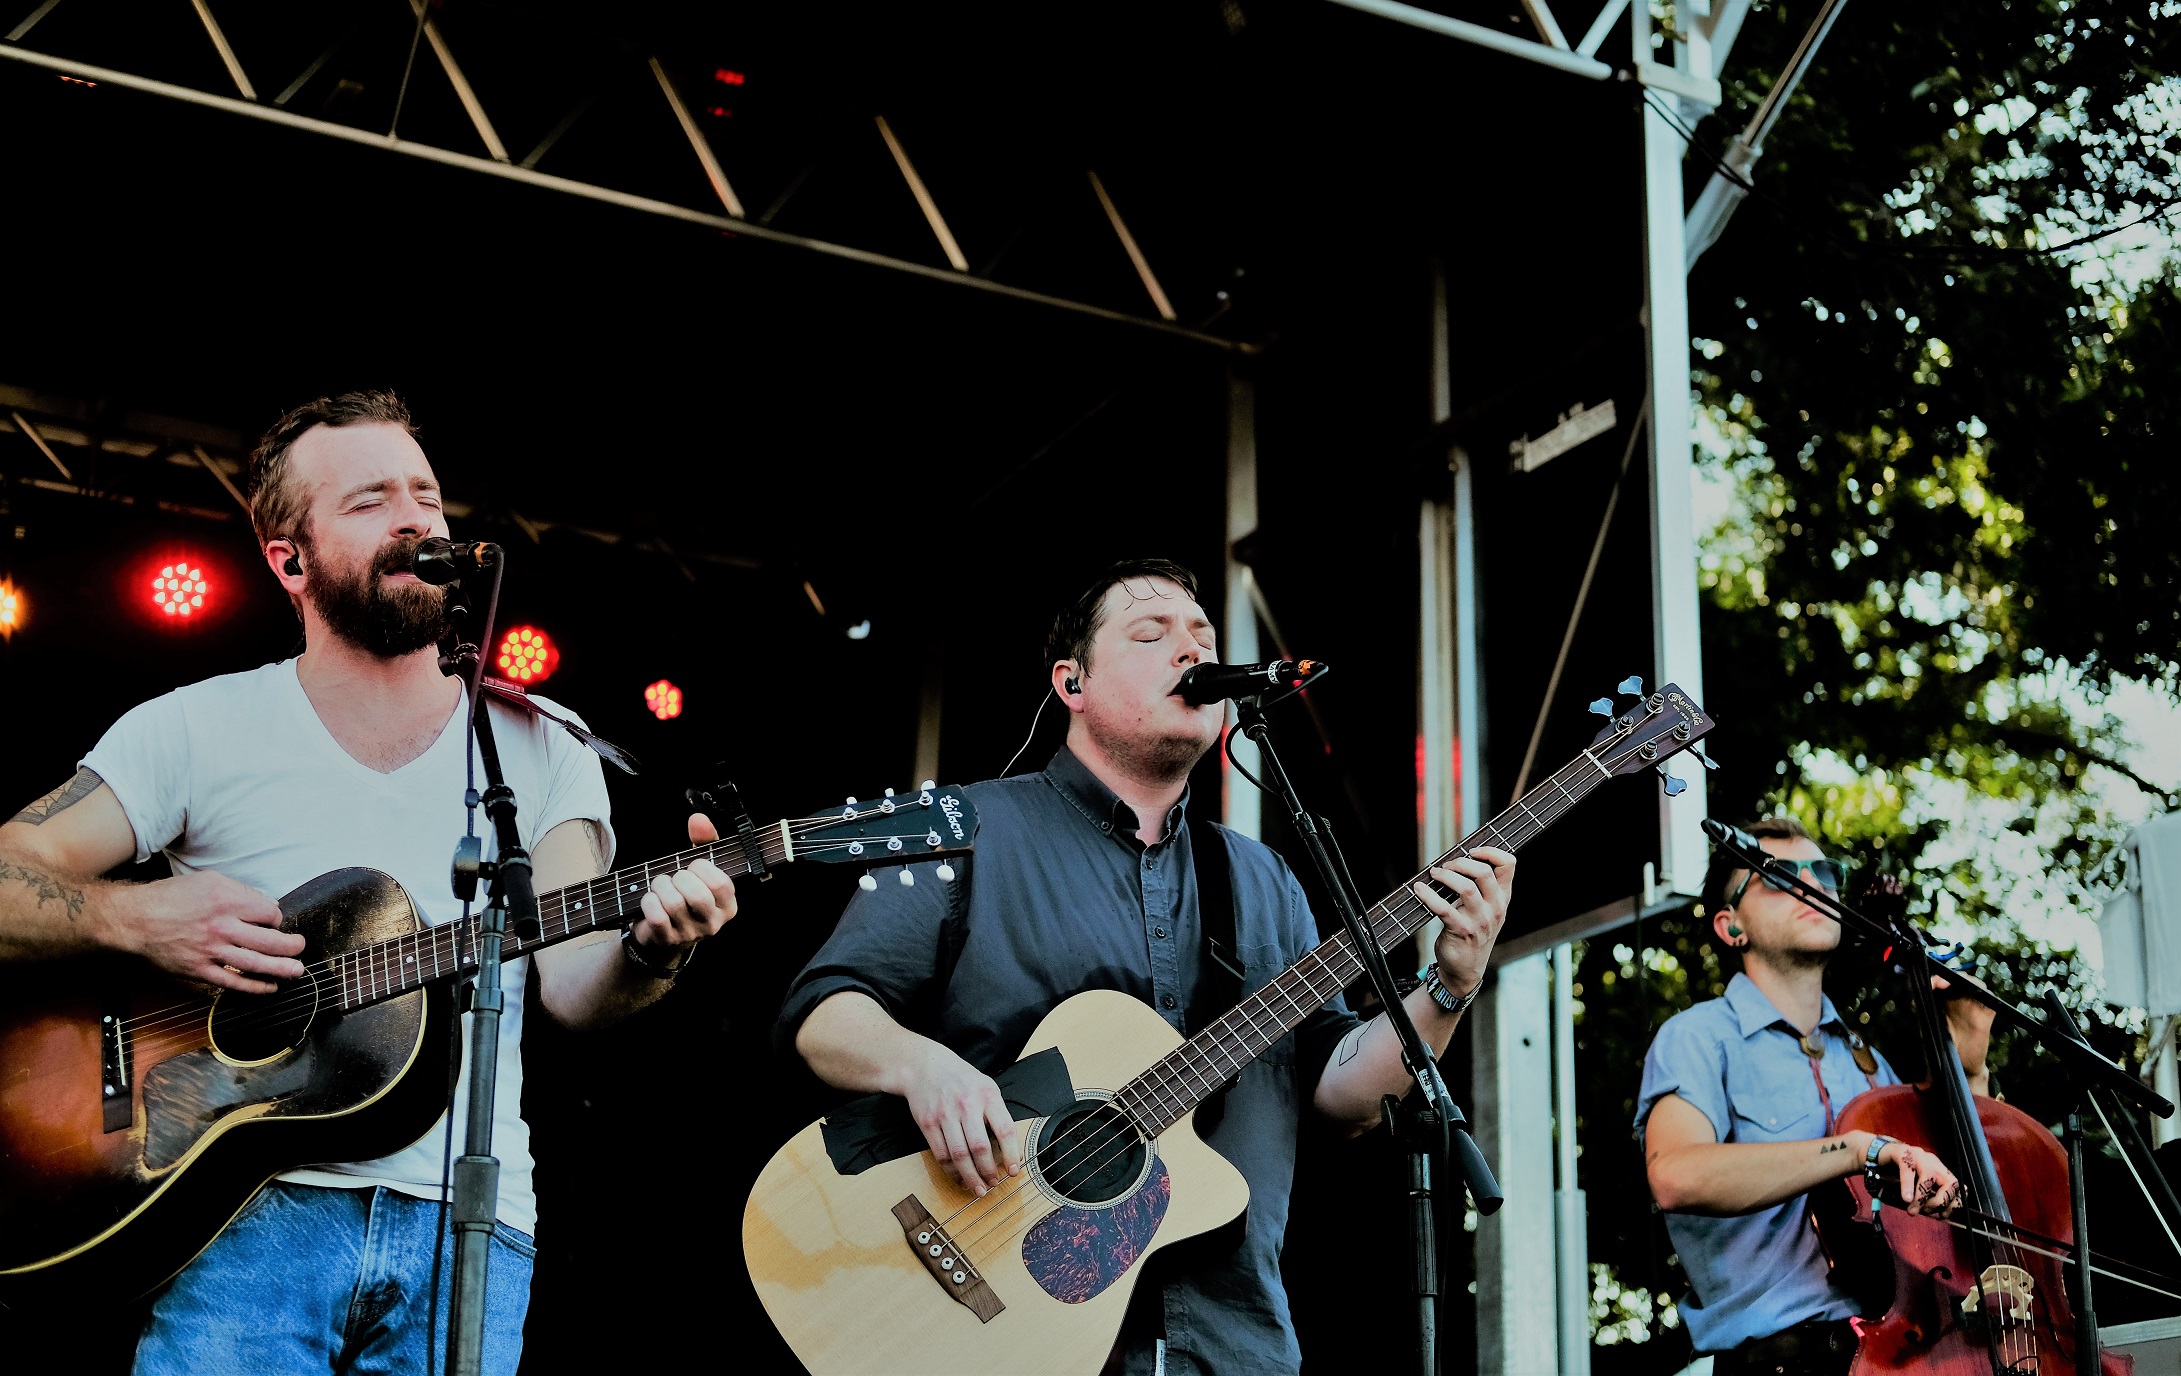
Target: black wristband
x,y
634,950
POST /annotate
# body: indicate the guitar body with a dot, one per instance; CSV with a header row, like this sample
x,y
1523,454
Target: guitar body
x,y
104,1197
837,1269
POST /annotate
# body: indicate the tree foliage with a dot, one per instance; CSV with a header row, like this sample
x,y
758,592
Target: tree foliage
x,y
1948,439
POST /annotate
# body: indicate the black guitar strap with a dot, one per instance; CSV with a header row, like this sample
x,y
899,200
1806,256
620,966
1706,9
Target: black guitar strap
x,y
1219,969
513,695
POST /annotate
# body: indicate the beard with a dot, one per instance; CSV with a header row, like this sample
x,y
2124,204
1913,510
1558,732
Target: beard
x,y
1162,758
382,619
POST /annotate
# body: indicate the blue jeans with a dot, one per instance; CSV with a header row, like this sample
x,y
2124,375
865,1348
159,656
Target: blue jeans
x,y
310,1280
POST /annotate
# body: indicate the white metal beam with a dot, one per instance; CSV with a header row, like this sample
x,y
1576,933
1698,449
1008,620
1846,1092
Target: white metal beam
x,y
698,144
589,191
227,53
1242,804
461,84
1570,1213
1577,64
924,202
1517,1262
1150,280
1676,650
1600,27
1548,28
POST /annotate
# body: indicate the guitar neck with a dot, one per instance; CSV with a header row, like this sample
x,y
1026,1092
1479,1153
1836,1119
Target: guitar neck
x,y
403,964
1170,1090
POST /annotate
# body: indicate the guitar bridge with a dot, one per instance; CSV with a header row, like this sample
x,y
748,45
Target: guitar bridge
x,y
954,1272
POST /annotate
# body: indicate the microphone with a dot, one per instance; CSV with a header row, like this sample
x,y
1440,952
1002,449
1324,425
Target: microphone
x,y
1206,683
1731,838
439,561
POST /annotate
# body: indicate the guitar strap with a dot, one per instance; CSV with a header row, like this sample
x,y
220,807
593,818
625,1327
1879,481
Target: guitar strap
x,y
515,696
1219,968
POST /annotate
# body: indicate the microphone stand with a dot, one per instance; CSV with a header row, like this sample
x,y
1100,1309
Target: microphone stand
x,y
1436,1127
513,905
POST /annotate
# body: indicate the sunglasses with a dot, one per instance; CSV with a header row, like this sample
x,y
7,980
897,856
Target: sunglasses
x,y
1778,873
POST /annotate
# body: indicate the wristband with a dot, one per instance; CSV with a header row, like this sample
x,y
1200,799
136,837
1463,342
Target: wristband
x,y
1873,1177
634,950
1443,996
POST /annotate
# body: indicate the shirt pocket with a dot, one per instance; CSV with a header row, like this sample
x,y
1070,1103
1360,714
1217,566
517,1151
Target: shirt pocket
x,y
1776,1115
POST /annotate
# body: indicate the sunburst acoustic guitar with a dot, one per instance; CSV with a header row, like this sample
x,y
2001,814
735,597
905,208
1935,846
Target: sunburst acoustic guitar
x,y
139,1114
889,1266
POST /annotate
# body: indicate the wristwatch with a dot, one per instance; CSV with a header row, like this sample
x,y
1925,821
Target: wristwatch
x,y
1444,996
1874,1177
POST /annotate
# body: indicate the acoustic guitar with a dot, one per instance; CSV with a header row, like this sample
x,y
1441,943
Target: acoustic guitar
x,y
869,1257
139,1114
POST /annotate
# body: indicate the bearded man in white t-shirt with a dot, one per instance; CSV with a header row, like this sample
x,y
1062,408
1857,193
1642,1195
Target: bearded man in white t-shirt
x,y
353,753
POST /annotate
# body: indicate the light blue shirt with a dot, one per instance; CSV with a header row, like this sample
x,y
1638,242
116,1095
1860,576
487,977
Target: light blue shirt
x,y
1741,1064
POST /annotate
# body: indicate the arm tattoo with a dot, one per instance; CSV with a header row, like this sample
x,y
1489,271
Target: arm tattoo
x,y
46,887
83,785
1350,1045
1825,1147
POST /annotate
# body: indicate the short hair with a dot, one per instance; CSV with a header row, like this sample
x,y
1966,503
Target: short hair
x,y
1077,625
1724,862
276,510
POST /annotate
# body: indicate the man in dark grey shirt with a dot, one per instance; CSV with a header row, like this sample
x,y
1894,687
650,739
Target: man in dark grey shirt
x,y
1085,877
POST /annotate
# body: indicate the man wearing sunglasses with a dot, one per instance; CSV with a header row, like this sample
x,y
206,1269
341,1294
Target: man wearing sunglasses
x,y
1740,1097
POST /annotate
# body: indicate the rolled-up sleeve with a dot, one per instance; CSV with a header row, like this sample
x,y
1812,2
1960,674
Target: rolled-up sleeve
x,y
1688,1060
888,946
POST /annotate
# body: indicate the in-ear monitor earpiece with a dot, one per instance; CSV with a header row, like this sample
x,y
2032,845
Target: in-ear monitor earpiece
x,y
293,568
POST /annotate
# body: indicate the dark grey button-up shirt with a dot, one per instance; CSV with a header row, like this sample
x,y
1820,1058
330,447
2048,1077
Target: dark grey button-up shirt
x,y
1061,897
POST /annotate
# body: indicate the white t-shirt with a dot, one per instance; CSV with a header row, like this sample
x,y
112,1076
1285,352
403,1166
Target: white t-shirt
x,y
237,774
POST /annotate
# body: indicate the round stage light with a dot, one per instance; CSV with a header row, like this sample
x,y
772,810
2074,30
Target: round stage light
x,y
664,700
179,589
527,655
13,608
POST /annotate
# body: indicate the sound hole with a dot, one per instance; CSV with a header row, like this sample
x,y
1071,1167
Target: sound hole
x,y
257,1027
1091,1154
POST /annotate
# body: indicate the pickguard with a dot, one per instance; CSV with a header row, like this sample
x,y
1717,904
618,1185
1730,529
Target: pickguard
x,y
1077,1254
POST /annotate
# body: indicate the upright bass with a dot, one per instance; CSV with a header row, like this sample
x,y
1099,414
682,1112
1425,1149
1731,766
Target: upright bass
x,y
1975,1300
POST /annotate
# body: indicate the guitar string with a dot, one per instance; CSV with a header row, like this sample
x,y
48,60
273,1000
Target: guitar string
x,y
708,851
1337,946
182,1014
992,1239
1409,907
291,1003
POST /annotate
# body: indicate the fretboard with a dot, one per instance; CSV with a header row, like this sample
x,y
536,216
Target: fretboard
x,y
1170,1090
402,964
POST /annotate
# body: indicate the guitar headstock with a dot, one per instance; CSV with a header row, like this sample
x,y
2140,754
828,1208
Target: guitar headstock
x,y
931,823
1657,726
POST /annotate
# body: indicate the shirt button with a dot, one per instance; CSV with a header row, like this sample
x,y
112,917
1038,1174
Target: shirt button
x,y
1771,1122
1105,826
1168,1000
1159,932
1151,864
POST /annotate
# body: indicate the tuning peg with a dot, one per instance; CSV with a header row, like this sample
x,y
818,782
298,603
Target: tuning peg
x,y
908,880
928,784
851,800
865,882
1602,706
1708,761
1674,787
945,873
1632,685
889,793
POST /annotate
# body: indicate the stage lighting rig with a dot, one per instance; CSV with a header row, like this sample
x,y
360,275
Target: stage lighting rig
x,y
663,700
179,589
527,656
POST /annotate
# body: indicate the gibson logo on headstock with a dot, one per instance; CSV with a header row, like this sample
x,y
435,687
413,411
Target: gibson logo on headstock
x,y
952,811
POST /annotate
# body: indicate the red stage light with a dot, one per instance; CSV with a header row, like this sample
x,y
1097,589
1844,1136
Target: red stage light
x,y
13,609
527,655
664,700
179,589
727,77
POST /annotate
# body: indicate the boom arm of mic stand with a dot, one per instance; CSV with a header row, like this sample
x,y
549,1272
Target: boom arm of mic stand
x,y
1422,1066
2076,1054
